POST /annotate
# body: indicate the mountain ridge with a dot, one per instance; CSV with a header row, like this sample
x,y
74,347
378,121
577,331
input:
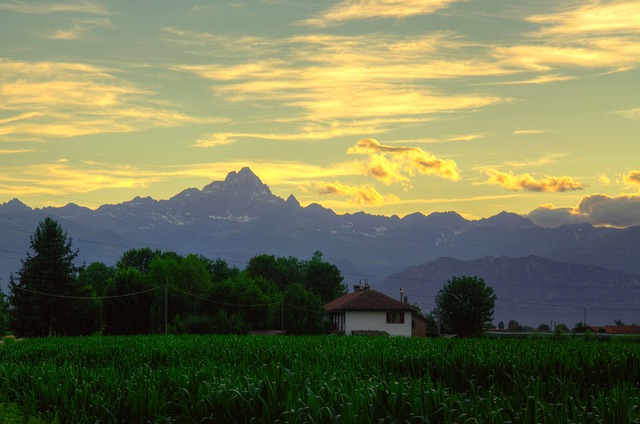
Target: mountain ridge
x,y
240,217
529,289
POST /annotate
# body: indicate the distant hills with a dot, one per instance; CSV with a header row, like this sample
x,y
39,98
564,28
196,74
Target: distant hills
x,y
239,217
532,289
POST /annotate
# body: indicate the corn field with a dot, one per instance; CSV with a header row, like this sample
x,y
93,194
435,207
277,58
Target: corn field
x,y
245,379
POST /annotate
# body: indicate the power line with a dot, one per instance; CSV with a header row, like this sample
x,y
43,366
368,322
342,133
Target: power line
x,y
62,296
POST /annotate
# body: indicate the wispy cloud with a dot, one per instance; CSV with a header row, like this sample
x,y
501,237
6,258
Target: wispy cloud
x,y
540,79
338,79
549,159
62,99
309,131
395,164
526,182
52,7
349,10
15,151
78,31
361,195
446,139
530,131
591,17
593,34
633,113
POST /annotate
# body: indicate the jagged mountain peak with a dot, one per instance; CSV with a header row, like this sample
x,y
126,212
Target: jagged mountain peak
x,y
14,205
291,200
506,220
244,175
446,219
243,181
70,209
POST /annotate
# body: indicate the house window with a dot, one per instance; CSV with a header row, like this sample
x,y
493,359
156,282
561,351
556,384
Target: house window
x,y
395,317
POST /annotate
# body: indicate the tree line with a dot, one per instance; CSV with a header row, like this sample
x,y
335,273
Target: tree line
x,y
150,291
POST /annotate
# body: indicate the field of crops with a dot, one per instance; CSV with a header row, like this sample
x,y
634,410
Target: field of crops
x,y
321,380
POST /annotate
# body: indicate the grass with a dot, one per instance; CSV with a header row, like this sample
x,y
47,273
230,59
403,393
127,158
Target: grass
x,y
243,379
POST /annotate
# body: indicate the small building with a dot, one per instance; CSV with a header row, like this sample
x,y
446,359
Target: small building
x,y
615,329
369,312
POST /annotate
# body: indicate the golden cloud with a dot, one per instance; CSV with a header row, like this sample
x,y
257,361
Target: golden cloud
x,y
349,10
589,34
338,78
632,178
50,7
530,131
526,182
59,99
78,31
630,113
604,180
359,195
395,164
594,17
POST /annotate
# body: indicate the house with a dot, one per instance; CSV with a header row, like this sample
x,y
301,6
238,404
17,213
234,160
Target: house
x,y
368,312
615,329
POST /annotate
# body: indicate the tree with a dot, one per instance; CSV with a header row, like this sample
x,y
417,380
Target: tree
x,y
4,314
465,305
303,311
323,278
514,325
47,298
544,327
128,308
579,327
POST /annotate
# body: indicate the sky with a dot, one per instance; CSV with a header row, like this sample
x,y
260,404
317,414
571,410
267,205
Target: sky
x,y
383,106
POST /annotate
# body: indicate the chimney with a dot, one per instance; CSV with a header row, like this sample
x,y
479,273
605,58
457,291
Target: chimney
x,y
357,287
401,295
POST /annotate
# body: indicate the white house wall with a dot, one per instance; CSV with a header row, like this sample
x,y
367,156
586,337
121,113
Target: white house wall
x,y
376,321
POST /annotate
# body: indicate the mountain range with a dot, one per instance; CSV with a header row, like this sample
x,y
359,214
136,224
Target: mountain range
x,y
240,217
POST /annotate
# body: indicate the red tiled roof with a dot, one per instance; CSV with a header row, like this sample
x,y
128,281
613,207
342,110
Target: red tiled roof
x,y
616,329
622,329
366,300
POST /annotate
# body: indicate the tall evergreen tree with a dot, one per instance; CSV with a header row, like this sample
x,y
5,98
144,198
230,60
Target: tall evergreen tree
x,y
47,299
4,314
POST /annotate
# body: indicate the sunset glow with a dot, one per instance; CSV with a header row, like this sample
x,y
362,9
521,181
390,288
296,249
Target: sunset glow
x,y
384,106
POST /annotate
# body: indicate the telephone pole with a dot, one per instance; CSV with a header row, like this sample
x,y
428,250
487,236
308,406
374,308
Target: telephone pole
x,y
166,306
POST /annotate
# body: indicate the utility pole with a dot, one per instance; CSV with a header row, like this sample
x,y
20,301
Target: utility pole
x,y
585,317
282,314
166,305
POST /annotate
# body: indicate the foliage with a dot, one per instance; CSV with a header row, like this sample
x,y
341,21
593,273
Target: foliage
x,y
48,299
323,278
209,296
150,291
304,313
97,275
465,305
128,310
10,414
320,277
432,325
4,314
544,327
579,327
514,325
321,379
